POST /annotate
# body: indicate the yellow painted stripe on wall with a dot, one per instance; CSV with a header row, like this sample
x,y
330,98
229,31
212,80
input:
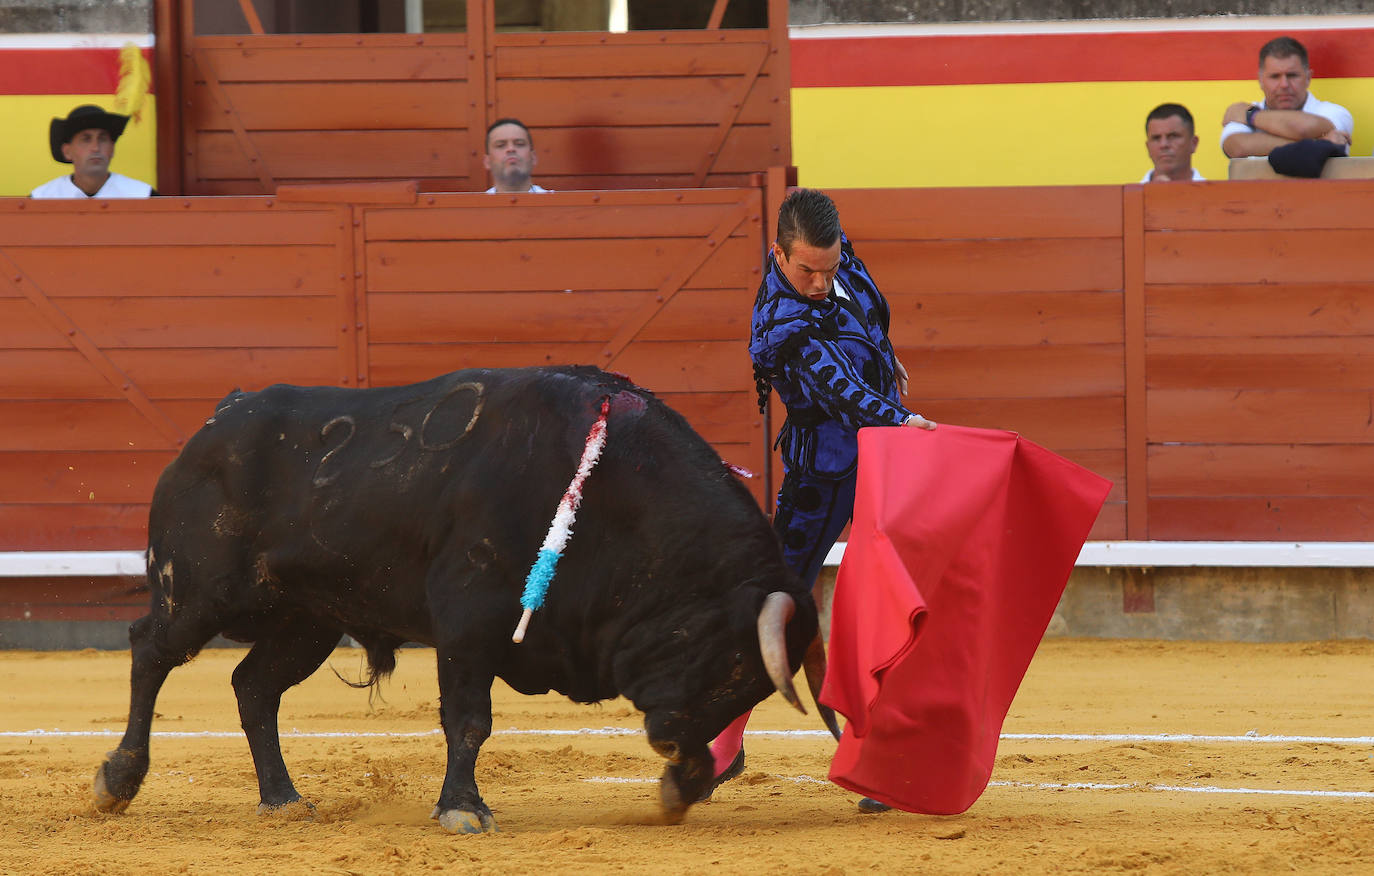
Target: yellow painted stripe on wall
x,y
29,163
1074,133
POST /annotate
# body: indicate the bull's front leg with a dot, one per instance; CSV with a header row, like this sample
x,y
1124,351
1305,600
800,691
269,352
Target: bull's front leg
x,y
465,713
690,766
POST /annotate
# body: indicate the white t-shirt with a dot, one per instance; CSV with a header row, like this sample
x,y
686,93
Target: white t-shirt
x,y
1338,115
117,186
1197,177
533,188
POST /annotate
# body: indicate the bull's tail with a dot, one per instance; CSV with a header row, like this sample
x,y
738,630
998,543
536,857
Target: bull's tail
x,y
381,662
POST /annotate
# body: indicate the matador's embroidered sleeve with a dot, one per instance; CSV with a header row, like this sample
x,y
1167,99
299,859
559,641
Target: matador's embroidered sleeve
x,y
828,379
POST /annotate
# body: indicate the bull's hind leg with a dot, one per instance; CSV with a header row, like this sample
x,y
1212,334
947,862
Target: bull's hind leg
x,y
282,658
157,646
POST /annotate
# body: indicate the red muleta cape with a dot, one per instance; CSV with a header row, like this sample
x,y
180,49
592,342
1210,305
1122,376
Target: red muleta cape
x,y
962,542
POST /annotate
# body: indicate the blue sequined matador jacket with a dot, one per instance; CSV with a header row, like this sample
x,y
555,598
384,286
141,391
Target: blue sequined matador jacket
x,y
830,362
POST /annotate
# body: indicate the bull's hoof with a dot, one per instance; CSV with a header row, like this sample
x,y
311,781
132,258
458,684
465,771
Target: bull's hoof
x,y
104,800
293,810
465,821
671,798
118,778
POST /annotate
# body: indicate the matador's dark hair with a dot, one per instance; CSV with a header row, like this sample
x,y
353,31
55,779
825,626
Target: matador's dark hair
x,y
809,216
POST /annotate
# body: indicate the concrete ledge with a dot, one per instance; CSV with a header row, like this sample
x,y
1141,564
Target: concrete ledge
x,y
1357,167
1270,554
68,564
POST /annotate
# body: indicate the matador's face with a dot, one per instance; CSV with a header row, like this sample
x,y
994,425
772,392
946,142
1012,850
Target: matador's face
x,y
810,269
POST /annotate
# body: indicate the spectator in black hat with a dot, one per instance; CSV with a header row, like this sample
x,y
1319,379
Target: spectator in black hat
x,y
85,139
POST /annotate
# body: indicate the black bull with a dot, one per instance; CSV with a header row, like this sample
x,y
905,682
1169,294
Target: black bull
x,y
413,514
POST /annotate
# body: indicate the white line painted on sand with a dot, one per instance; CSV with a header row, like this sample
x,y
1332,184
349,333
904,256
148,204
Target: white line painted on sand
x,y
1068,786
1185,738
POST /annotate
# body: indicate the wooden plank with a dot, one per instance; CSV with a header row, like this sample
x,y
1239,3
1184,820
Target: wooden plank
x,y
43,477
488,217
871,215
659,100
229,269
1262,363
571,180
241,187
1036,265
439,58
1232,310
1282,206
669,56
331,106
544,265
963,319
1259,416
1060,370
165,222
1262,470
593,38
301,156
162,373
1110,524
422,317
116,598
1274,518
722,418
1279,256
1060,424
583,151
652,149
395,364
95,425
119,322
661,366
1110,463
96,527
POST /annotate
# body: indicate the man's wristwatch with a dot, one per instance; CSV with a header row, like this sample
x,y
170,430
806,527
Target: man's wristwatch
x,y
1250,115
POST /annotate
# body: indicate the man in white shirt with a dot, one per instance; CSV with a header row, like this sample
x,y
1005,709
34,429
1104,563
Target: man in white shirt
x,y
85,139
1289,112
510,157
1171,142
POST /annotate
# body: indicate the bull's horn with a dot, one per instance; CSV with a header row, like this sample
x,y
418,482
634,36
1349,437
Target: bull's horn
x,y
814,664
773,617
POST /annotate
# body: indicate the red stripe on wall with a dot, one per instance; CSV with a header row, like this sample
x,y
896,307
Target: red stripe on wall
x,y
61,71
1065,57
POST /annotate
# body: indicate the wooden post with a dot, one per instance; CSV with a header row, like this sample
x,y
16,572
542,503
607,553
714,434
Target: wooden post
x,y
780,78
1133,323
167,95
481,96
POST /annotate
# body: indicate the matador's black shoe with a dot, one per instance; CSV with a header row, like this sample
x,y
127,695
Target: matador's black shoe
x,y
869,806
734,769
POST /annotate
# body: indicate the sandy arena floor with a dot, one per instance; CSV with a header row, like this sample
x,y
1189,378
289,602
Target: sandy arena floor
x,y
1118,796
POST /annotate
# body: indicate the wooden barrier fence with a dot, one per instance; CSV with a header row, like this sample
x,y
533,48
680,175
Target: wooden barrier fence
x,y
1207,347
